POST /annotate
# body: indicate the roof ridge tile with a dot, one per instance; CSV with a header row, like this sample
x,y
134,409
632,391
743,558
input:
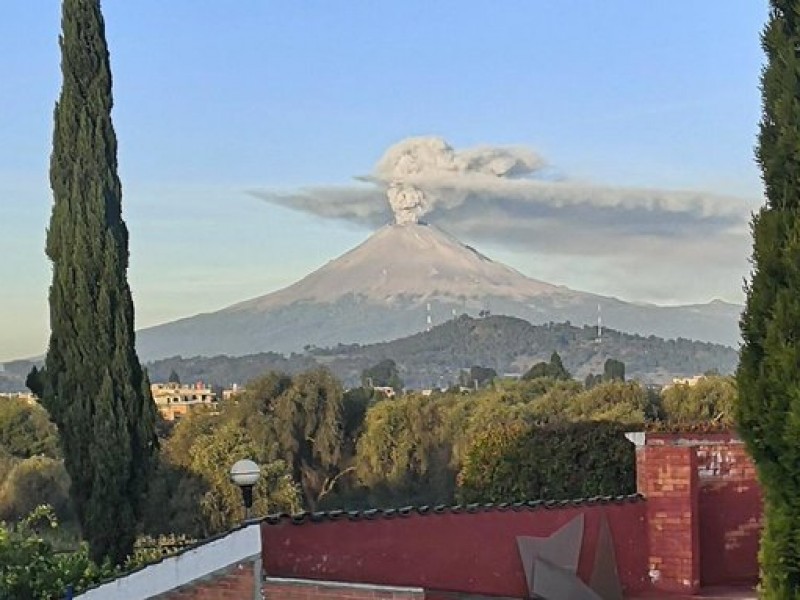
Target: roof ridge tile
x,y
425,510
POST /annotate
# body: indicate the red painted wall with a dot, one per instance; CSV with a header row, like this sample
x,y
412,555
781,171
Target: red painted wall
x,y
699,525
730,514
466,552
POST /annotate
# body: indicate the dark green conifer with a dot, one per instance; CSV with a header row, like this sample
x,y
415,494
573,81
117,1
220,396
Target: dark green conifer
x,y
93,384
768,412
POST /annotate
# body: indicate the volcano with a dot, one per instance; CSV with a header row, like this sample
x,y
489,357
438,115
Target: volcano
x,y
402,279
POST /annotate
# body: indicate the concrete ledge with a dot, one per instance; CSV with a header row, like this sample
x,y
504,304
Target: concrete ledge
x,y
389,589
194,564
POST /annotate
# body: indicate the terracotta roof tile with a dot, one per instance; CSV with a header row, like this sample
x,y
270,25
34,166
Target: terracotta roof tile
x,y
427,510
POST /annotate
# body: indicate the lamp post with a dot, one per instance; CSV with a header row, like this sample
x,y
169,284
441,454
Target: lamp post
x,y
245,473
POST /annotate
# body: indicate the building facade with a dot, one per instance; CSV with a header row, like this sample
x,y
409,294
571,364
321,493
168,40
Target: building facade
x,y
175,400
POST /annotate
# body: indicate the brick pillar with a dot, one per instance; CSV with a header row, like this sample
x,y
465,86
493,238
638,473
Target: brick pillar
x,y
666,475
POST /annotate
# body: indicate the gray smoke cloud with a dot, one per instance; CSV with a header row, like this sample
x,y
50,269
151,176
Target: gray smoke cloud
x,y
506,197
426,177
365,206
423,173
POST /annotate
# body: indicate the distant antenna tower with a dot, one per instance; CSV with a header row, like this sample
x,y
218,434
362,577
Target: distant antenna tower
x,y
599,325
429,320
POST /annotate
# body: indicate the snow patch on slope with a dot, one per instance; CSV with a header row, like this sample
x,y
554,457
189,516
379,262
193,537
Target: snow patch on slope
x,y
416,262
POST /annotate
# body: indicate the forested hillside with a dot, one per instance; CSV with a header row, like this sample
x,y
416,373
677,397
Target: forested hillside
x,y
435,358
511,345
508,345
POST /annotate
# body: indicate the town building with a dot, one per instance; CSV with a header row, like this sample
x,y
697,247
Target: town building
x,y
385,390
689,381
234,390
28,397
175,400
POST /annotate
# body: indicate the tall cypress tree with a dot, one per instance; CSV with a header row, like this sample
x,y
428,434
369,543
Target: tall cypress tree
x,y
768,411
93,384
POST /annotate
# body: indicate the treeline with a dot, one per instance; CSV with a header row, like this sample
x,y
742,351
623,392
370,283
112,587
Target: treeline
x,y
321,447
222,371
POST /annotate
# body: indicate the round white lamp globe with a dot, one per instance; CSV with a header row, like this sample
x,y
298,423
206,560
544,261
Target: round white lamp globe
x,y
245,473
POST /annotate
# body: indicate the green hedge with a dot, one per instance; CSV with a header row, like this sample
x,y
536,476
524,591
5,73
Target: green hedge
x,y
554,462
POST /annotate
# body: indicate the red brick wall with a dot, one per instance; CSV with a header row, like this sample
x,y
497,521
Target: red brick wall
x,y
236,583
668,479
708,533
730,514
324,590
467,552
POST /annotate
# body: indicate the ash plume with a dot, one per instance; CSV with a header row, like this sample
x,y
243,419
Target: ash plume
x,y
504,197
423,173
426,177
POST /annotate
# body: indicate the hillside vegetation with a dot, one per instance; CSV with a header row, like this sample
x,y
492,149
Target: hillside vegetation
x,y
508,345
511,345
435,358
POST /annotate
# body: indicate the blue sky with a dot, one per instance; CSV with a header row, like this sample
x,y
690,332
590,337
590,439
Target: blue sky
x,y
214,99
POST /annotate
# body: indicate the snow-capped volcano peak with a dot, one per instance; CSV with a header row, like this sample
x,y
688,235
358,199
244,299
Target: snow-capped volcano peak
x,y
412,260
402,279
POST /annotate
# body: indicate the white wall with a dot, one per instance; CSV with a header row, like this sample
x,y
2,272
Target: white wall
x,y
175,571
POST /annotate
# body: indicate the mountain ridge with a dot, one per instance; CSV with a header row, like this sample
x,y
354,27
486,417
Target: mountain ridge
x,y
403,279
507,344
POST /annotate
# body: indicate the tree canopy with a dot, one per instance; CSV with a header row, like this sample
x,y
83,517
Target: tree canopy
x,y
555,369
383,374
712,398
93,385
26,430
768,411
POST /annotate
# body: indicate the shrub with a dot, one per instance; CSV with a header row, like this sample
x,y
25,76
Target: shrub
x,y
31,483
30,567
553,462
